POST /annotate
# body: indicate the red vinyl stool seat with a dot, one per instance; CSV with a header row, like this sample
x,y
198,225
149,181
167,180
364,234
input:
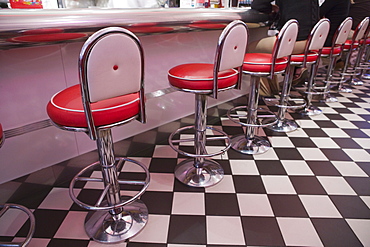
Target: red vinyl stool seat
x,y
204,80
259,65
110,93
350,73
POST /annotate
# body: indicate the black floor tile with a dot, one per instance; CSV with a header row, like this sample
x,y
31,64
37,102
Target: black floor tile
x,y
248,184
307,185
262,231
335,232
287,206
222,204
268,167
351,207
187,229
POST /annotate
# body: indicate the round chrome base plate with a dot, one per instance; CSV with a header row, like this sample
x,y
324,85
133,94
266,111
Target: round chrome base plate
x,y
366,76
257,145
102,227
210,174
284,125
345,90
311,111
357,82
331,99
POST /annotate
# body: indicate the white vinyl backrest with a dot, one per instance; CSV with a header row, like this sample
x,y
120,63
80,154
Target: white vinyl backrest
x,y
288,35
344,30
113,67
319,35
362,28
234,48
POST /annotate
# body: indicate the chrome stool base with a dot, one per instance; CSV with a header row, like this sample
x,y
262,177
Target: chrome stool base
x,y
209,174
311,111
344,90
257,145
284,125
357,82
102,227
366,76
331,99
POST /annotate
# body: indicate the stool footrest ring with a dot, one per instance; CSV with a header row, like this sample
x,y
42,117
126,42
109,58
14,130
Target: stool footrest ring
x,y
79,177
263,120
5,207
223,136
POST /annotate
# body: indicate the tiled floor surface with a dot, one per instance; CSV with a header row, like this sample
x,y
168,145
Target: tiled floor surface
x,y
311,189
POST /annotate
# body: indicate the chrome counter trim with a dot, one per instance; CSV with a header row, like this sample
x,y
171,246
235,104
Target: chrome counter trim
x,y
24,28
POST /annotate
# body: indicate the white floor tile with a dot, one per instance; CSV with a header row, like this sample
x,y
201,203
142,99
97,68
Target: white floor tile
x,y
344,124
226,185
352,117
297,168
280,141
349,169
188,203
73,226
243,167
360,111
185,245
254,205
131,167
358,155
96,244
12,221
312,154
333,132
319,206
363,142
215,149
306,123
366,200
226,230
336,185
361,228
161,182
297,133
58,198
319,117
164,151
278,184
269,155
324,142
299,232
155,231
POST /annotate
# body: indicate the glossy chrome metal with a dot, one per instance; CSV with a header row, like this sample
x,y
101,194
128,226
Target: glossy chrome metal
x,y
283,124
257,145
351,70
206,174
199,171
15,24
31,217
250,143
104,227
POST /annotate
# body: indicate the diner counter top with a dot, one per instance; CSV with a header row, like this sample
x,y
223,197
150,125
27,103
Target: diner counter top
x,y
38,27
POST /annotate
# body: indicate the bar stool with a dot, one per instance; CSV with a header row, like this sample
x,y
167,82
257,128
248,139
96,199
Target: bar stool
x,y
333,53
11,206
311,56
204,80
361,64
366,61
259,65
349,47
110,93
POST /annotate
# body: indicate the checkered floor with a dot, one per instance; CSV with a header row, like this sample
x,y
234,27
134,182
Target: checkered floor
x,y
311,189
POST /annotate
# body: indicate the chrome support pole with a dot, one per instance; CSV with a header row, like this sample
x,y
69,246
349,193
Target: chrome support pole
x,y
109,169
200,131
